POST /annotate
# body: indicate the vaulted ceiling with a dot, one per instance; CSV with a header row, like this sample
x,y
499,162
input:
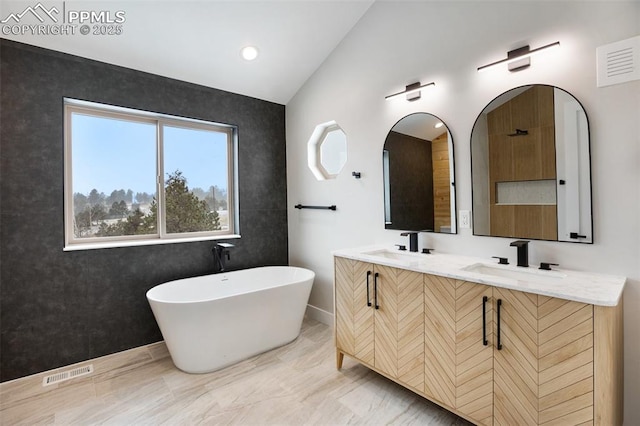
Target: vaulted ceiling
x,y
200,41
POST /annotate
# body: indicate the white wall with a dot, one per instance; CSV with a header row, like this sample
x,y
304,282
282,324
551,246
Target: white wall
x,y
397,43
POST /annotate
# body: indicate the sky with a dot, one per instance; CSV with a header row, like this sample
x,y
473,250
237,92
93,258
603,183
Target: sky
x,y
111,154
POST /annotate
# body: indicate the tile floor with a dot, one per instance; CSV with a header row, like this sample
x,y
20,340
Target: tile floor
x,y
296,384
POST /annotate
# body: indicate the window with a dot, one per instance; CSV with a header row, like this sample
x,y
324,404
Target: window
x,y
133,177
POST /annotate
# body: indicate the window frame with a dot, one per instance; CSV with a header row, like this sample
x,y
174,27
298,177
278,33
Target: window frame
x,y
93,109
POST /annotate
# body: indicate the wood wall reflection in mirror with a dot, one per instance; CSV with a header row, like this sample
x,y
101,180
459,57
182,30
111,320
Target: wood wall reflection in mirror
x,y
419,192
531,167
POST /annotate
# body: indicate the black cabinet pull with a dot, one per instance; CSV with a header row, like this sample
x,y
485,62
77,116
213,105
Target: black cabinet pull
x,y
499,343
375,290
368,297
484,320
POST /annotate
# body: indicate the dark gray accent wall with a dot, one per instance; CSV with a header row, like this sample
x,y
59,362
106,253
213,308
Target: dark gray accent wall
x,y
410,182
58,308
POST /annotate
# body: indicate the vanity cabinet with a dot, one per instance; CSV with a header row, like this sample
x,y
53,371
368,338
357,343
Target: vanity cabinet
x,y
492,355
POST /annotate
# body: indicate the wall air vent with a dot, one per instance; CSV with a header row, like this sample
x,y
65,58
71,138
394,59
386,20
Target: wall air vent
x,y
618,62
67,375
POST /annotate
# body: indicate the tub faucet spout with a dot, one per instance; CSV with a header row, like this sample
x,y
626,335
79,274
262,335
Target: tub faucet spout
x,y
220,252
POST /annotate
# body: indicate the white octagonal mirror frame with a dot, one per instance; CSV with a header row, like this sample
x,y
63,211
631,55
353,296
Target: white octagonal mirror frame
x,y
326,162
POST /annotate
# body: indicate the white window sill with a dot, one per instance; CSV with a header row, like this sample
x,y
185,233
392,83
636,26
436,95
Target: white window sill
x,y
134,243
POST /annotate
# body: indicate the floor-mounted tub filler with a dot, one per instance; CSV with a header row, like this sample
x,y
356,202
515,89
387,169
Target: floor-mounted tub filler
x,y
213,321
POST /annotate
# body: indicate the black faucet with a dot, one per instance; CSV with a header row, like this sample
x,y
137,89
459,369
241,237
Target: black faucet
x,y
413,240
523,252
220,251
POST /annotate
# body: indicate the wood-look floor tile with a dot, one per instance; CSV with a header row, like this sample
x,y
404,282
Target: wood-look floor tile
x,y
328,411
273,411
158,351
132,405
296,384
132,378
41,408
119,363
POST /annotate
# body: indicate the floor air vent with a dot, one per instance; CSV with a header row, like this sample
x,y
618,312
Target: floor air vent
x,y
67,375
618,62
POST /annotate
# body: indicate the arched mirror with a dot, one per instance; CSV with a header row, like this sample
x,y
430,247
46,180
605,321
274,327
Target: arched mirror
x,y
419,190
531,167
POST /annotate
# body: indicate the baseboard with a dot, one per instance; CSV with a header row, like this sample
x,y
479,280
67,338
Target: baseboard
x,y
13,391
321,315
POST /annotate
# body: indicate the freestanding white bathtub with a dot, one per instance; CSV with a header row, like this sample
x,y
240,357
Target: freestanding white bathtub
x,y
213,321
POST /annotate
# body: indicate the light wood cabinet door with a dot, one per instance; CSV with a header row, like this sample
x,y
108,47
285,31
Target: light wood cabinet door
x,y
566,362
353,315
544,365
474,326
399,325
440,339
515,375
411,329
386,320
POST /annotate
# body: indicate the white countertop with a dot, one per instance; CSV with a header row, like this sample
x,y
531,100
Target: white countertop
x,y
586,287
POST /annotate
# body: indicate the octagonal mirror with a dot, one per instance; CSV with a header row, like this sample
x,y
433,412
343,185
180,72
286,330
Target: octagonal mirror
x,y
327,151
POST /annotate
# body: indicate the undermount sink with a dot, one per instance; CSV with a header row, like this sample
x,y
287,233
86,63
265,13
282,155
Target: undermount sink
x,y
515,273
395,255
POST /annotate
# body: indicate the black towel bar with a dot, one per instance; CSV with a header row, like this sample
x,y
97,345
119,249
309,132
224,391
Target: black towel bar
x,y
300,206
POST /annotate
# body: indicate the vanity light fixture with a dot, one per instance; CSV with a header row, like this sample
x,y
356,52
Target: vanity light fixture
x,y
249,53
412,91
518,59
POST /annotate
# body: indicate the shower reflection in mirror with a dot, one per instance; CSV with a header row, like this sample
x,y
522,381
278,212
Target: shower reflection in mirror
x,y
530,167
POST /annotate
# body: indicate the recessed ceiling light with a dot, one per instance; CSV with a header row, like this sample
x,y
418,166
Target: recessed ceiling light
x,y
249,53
439,124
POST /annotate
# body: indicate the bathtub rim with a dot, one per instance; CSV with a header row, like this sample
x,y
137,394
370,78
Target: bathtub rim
x,y
311,276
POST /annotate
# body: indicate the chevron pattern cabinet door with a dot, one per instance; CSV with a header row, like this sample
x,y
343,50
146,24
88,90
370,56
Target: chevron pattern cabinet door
x,y
566,362
386,321
399,326
474,360
516,364
354,319
363,314
344,315
411,329
440,339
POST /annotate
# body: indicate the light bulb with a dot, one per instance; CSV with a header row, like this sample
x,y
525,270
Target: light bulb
x,y
249,53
